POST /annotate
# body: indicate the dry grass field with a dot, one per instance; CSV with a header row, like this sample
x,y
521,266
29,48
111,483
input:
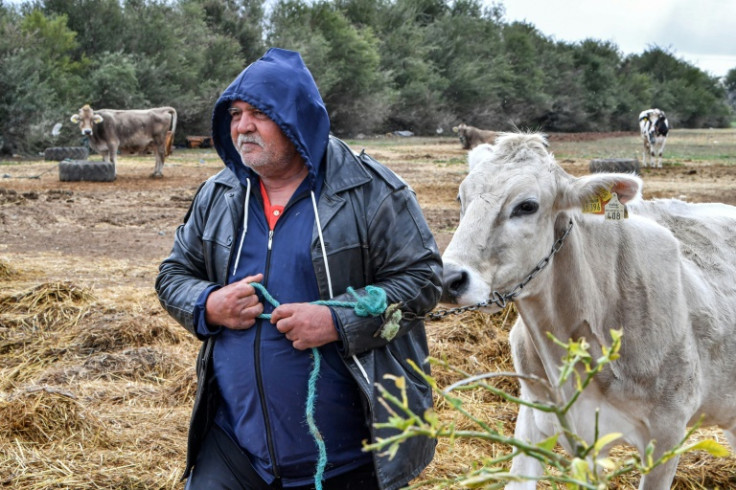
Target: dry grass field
x,y
96,381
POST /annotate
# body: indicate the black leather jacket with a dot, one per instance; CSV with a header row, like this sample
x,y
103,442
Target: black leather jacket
x,y
374,234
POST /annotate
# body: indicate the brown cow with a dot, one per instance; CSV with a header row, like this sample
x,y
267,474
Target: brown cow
x,y
133,131
471,137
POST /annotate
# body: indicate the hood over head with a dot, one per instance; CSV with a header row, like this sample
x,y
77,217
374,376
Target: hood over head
x,y
280,85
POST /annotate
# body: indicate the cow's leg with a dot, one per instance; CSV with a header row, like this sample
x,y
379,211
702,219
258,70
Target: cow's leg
x,y
667,432
731,437
661,151
158,171
645,156
660,478
523,465
113,148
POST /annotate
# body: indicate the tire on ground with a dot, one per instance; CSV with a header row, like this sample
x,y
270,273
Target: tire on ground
x,y
84,170
618,165
59,153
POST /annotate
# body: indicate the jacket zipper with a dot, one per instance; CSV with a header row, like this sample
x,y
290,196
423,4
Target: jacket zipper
x,y
257,356
259,377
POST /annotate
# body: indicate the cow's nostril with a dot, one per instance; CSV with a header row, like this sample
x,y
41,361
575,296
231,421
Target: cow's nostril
x,y
454,283
457,285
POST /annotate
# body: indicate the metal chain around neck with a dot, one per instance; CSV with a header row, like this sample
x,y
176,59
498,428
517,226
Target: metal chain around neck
x,y
502,299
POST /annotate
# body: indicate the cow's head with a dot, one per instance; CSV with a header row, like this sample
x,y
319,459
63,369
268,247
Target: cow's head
x,y
661,127
514,204
462,132
86,117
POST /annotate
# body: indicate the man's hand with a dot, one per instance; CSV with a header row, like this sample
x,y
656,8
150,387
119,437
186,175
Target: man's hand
x,y
234,306
305,325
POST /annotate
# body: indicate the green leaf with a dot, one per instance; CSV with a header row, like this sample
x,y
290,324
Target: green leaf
x,y
708,445
606,463
602,441
549,443
579,469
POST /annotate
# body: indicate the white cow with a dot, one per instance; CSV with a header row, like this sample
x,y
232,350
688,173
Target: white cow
x,y
654,128
665,276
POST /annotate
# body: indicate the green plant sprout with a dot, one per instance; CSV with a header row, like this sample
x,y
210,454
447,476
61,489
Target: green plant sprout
x,y
583,468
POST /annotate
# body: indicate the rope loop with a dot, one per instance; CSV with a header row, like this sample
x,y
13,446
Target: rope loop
x,y
373,303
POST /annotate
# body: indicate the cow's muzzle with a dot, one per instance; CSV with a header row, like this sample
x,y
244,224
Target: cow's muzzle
x,y
454,283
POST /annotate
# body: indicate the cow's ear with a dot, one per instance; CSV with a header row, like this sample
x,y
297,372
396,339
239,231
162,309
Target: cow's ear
x,y
582,189
75,118
97,119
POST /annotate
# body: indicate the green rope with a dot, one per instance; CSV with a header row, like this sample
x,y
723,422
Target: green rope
x,y
371,304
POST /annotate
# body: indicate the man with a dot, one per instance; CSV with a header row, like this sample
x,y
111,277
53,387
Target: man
x,y
296,211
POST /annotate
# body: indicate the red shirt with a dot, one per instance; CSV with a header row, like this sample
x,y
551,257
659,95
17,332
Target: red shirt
x,y
273,213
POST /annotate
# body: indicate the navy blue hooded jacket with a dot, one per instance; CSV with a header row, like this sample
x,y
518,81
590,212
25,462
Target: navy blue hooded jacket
x,y
262,378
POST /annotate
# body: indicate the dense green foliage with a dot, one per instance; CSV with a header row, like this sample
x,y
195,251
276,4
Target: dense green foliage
x,y
381,65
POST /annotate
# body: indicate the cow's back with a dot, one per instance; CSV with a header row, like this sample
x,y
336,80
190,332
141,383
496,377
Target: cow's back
x,y
707,236
135,129
706,233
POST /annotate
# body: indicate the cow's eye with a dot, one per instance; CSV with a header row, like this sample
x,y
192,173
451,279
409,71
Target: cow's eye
x,y
524,208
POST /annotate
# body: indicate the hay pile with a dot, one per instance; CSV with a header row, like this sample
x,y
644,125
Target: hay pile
x,y
93,396
98,384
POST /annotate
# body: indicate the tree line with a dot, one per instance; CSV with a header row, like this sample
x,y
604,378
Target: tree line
x,y
381,65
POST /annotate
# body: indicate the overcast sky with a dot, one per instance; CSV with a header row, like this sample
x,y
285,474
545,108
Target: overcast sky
x,y
701,32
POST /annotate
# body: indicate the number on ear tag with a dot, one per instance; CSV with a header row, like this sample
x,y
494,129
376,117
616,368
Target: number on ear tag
x,y
614,209
597,202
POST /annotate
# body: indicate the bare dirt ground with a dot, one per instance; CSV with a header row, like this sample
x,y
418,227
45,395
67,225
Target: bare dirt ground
x,y
134,217
109,238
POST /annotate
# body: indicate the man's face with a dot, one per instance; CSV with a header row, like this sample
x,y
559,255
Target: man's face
x,y
261,143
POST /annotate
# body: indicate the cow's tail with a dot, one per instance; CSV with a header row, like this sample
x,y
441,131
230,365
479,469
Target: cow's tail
x,y
173,119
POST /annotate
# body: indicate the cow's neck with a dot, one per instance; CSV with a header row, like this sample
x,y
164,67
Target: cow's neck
x,y
566,298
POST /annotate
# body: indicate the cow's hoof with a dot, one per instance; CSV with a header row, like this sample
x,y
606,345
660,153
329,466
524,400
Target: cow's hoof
x,y
84,170
619,165
157,176
59,153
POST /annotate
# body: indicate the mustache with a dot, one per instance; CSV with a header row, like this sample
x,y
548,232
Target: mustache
x,y
248,138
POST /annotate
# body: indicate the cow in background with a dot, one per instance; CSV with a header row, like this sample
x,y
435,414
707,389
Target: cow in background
x,y
654,128
134,131
471,137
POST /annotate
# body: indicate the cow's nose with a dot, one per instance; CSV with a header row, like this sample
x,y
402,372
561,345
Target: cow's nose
x,y
86,131
454,283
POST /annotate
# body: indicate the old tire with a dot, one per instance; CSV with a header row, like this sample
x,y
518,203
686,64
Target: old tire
x,y
618,165
59,153
84,170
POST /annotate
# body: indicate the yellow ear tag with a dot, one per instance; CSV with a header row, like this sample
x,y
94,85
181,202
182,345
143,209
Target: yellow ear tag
x,y
615,210
596,203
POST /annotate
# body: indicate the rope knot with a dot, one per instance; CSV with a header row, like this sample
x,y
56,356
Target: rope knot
x,y
373,303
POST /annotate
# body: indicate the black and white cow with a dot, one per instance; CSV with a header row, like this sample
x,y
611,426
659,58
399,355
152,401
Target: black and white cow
x,y
136,131
654,128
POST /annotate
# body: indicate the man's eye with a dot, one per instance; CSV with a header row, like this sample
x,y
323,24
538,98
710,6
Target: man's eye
x,y
234,112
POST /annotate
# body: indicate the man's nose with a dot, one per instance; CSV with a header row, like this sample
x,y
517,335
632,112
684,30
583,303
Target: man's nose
x,y
245,124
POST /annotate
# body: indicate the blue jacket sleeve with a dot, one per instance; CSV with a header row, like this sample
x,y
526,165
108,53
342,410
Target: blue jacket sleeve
x,y
200,323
